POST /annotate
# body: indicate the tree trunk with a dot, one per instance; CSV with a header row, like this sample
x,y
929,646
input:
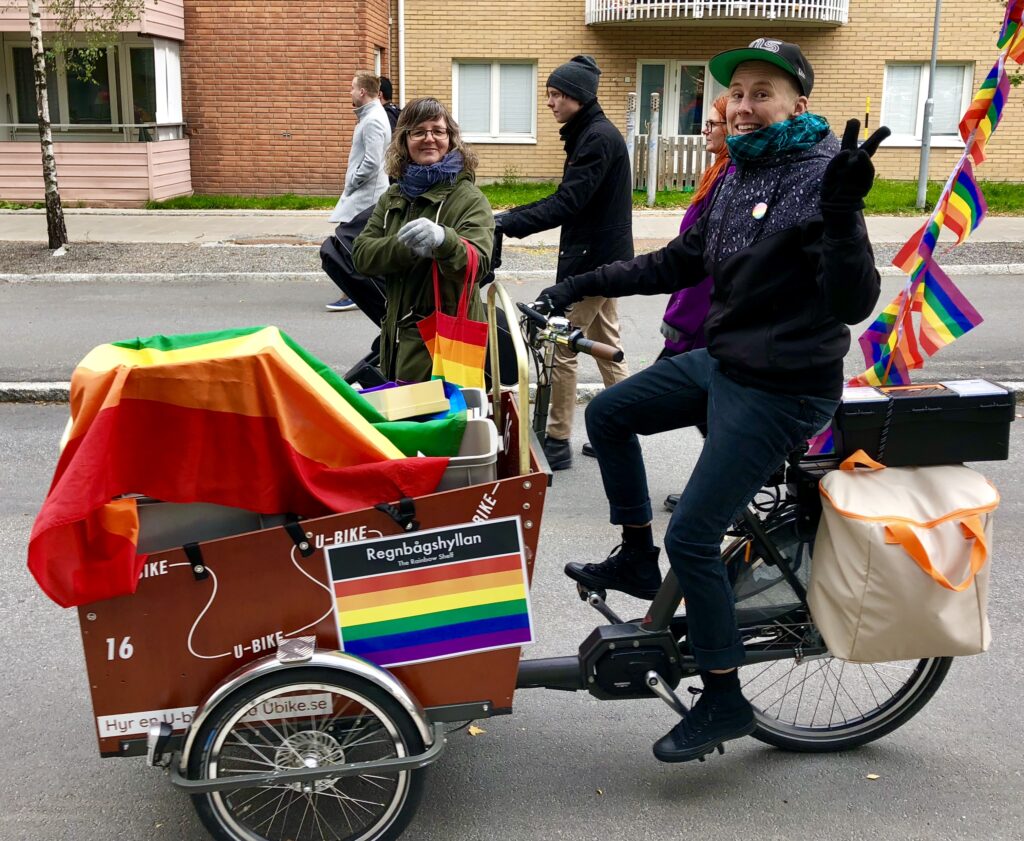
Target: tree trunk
x,y
56,231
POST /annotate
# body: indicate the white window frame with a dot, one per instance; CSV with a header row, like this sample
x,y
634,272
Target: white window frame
x,y
712,89
914,141
166,66
495,136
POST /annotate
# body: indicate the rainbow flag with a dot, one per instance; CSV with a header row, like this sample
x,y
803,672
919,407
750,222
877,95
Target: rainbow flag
x,y
1011,22
244,418
945,313
983,115
889,346
965,205
433,594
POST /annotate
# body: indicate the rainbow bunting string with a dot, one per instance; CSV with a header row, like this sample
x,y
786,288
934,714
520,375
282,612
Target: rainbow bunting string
x,y
892,346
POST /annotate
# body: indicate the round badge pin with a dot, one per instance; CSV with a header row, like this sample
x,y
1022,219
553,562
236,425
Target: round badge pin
x,y
760,209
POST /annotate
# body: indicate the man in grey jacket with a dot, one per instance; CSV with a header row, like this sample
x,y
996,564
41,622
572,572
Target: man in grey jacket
x,y
365,179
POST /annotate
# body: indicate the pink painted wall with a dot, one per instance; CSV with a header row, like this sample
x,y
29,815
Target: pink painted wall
x,y
161,18
100,174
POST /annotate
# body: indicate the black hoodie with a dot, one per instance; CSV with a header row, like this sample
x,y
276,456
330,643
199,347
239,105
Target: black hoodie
x,y
785,284
594,202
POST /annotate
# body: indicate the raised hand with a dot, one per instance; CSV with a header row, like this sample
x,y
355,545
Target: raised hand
x,y
850,174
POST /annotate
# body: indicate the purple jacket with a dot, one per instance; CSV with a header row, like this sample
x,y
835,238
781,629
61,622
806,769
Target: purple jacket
x,y
683,322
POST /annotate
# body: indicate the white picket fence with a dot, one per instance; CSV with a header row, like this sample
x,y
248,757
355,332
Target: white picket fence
x,y
681,161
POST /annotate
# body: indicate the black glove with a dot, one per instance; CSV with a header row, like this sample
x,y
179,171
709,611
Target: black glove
x,y
560,297
849,174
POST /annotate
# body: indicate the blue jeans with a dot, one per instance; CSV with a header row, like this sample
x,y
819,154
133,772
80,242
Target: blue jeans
x,y
750,433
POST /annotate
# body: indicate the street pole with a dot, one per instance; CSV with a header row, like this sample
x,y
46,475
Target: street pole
x,y
652,150
929,108
631,136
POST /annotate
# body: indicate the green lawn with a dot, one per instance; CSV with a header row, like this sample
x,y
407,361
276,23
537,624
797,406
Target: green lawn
x,y
886,198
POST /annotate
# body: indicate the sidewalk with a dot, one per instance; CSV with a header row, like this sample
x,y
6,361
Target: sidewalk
x,y
290,226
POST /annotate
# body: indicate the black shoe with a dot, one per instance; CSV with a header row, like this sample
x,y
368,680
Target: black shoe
x,y
558,453
588,450
630,570
716,717
671,501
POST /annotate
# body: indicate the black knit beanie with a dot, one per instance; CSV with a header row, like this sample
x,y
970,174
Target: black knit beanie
x,y
577,78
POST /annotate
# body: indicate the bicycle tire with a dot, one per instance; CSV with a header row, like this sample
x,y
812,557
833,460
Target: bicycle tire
x,y
333,737
892,693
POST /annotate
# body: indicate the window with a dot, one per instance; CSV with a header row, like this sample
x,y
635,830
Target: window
x,y
25,88
136,81
687,91
495,102
903,102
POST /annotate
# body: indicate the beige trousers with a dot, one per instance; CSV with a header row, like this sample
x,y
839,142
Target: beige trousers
x,y
598,318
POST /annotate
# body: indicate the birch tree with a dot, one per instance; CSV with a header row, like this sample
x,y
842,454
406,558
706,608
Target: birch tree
x,y
95,21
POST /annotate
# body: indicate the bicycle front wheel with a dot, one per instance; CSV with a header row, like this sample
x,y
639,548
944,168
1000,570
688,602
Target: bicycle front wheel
x,y
818,704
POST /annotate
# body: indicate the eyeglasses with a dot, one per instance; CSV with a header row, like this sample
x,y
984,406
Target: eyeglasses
x,y
709,126
421,133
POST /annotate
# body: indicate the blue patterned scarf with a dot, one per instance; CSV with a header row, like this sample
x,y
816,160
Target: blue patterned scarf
x,y
792,135
417,179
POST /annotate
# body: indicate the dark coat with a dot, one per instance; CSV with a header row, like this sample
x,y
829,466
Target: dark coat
x,y
786,285
594,202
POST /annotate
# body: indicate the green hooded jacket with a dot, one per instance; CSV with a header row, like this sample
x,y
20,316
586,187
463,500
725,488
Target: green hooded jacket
x,y
465,214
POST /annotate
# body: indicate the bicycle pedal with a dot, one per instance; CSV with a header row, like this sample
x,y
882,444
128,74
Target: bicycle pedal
x,y
586,592
720,747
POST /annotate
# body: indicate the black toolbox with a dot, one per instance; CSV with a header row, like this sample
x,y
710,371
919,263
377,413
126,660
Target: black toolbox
x,y
933,423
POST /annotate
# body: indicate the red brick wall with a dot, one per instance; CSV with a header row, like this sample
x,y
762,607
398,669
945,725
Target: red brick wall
x,y
266,90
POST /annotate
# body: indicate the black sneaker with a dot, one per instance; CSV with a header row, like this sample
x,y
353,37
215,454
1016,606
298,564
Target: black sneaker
x,y
628,569
671,501
558,453
588,450
716,717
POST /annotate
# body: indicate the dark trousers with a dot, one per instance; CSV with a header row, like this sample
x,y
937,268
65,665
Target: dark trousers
x,y
750,433
336,258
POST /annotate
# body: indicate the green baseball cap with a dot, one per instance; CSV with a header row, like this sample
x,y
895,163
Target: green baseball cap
x,y
780,53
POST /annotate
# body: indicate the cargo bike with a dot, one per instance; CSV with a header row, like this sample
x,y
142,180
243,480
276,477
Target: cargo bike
x,y
268,665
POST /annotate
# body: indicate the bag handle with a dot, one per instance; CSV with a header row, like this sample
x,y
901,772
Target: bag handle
x,y
970,526
472,269
862,459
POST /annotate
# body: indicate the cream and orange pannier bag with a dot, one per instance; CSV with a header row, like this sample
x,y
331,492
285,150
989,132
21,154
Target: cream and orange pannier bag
x,y
900,566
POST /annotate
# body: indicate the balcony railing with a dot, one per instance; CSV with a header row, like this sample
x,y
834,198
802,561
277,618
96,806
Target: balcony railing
x,y
821,12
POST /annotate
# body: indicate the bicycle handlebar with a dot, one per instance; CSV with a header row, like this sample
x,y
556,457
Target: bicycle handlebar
x,y
570,337
598,349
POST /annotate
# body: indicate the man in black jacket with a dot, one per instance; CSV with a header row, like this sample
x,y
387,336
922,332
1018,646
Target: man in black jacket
x,y
594,206
786,243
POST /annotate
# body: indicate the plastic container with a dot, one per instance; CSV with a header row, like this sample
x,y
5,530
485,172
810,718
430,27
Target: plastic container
x,y
934,423
477,460
168,525
409,401
476,402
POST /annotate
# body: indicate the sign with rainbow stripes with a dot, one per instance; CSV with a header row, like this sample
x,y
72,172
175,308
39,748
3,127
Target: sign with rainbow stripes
x,y
433,594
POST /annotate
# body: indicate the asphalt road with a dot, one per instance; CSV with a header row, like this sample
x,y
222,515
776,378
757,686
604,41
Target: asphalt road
x,y
562,766
47,326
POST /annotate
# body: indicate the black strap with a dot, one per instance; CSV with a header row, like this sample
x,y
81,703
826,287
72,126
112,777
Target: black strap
x,y
404,513
195,557
298,536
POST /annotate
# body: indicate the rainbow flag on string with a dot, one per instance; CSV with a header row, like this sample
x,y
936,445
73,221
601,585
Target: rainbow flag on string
x,y
982,116
244,418
945,313
1011,22
965,205
889,345
432,594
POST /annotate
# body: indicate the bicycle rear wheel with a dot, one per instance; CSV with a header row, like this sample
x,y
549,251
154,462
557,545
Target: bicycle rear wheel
x,y
818,704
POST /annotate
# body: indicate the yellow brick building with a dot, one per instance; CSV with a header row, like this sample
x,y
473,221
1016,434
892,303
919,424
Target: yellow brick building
x,y
491,60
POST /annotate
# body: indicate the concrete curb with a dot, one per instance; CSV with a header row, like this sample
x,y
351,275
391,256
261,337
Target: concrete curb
x,y
58,392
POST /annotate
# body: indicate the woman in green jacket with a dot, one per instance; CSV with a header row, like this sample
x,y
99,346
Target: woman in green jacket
x,y
424,217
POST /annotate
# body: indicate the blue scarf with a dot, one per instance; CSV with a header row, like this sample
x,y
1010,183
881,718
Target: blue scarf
x,y
793,135
417,179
